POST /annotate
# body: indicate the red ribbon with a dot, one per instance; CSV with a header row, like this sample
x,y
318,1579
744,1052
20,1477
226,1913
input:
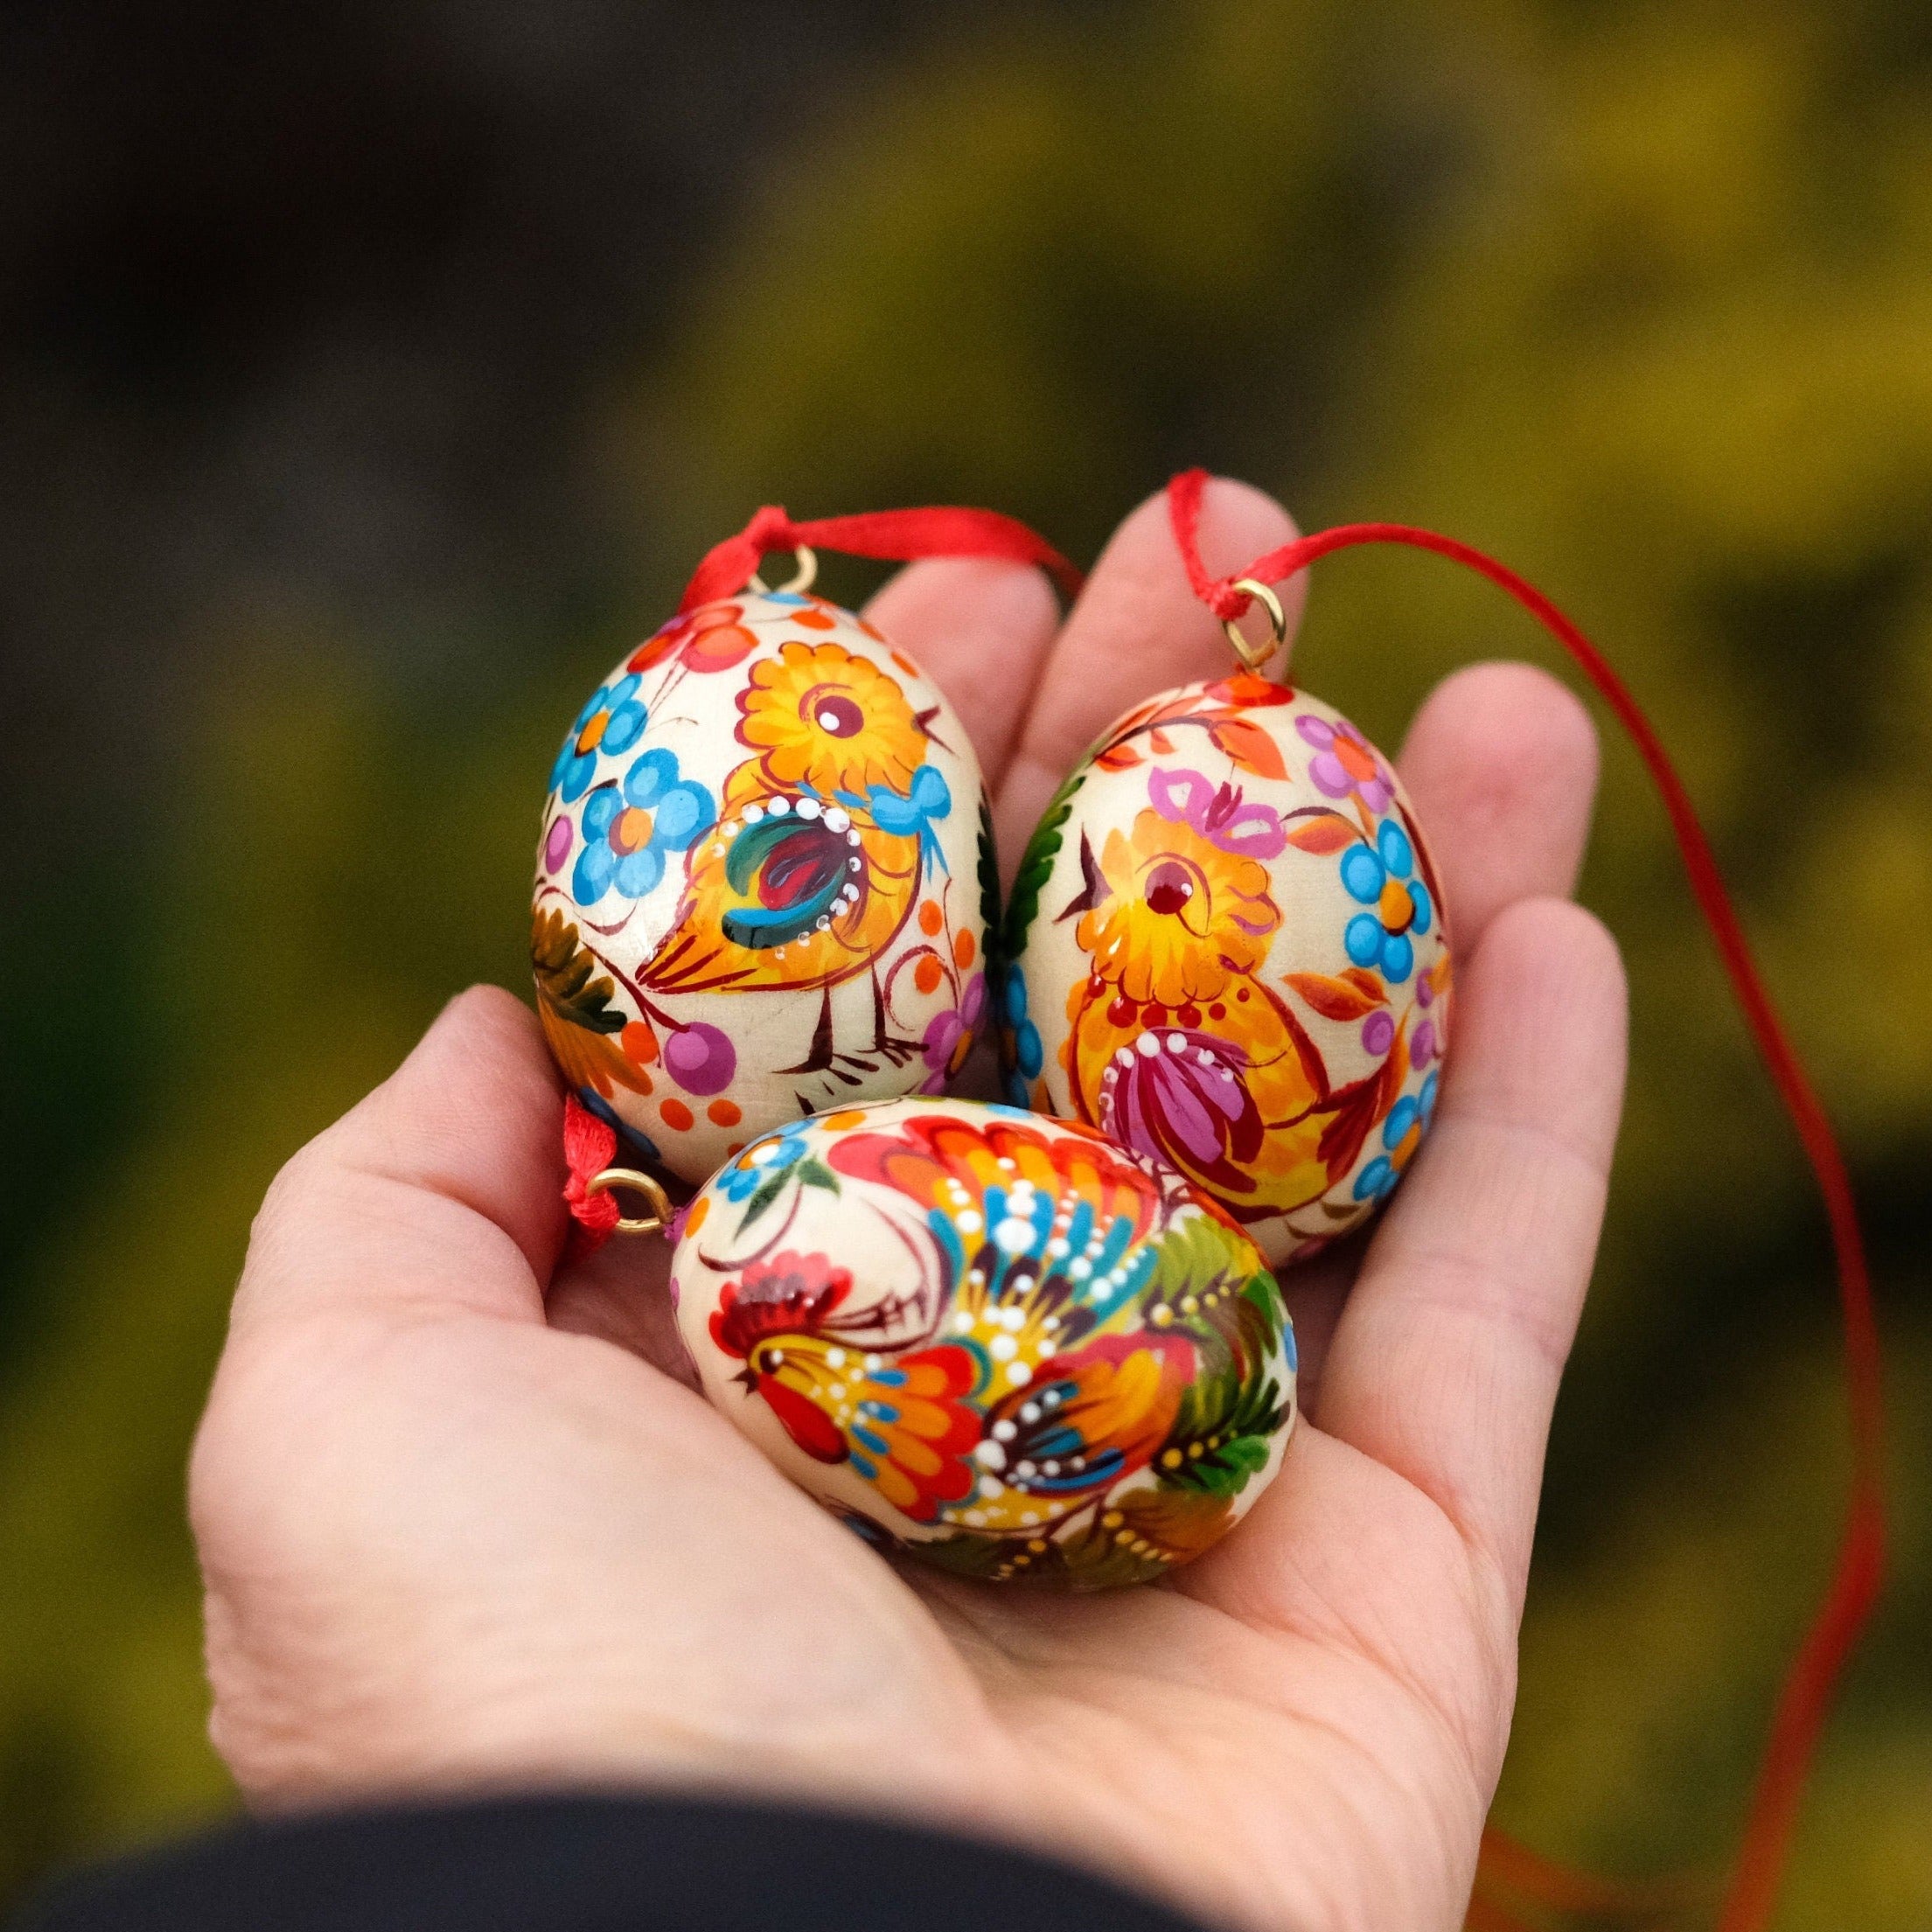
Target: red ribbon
x,y
896,536
1805,1698
590,1147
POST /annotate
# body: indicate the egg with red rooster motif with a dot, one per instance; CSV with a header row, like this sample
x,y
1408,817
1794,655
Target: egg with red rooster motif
x,y
995,1342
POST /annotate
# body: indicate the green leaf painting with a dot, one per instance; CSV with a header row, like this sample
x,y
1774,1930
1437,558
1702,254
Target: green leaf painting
x,y
1037,866
568,980
811,1172
989,891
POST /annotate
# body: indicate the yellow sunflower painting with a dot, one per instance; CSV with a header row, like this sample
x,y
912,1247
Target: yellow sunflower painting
x,y
1180,916
834,723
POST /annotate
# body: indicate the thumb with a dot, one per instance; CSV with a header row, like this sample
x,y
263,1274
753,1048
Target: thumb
x,y
442,1191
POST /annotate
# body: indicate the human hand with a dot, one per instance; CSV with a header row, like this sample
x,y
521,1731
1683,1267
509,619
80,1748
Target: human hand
x,y
463,1524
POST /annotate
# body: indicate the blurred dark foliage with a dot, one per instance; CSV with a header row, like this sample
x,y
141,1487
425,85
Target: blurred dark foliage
x,y
306,317
312,307
372,374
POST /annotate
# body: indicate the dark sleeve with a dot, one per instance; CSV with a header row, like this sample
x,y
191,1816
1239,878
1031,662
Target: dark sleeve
x,y
587,1865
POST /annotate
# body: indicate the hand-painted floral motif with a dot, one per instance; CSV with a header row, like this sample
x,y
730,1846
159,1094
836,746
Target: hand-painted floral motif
x,y
994,1341
950,1035
831,721
1381,875
628,832
832,837
708,639
1182,902
765,1163
1238,962
1345,764
612,723
595,1042
1021,1053
812,812
1401,1136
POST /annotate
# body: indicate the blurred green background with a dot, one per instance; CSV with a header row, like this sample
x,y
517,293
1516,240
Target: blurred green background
x,y
374,374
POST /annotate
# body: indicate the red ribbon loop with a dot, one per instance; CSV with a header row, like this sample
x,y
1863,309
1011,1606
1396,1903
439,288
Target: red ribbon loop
x,y
1804,1699
894,536
1184,513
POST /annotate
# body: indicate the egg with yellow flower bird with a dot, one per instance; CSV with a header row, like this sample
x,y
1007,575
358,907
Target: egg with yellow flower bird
x,y
999,1343
763,881
1230,953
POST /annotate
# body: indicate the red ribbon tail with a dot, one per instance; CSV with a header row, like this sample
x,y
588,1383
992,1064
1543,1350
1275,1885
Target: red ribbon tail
x,y
590,1147
1805,1698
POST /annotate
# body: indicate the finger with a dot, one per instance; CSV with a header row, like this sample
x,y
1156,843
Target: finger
x,y
1445,1363
1501,763
979,629
622,1295
1136,629
441,1192
1317,1292
1502,766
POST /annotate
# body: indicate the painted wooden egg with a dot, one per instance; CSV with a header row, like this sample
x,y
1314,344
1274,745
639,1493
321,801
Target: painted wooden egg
x,y
1230,953
760,884
995,1341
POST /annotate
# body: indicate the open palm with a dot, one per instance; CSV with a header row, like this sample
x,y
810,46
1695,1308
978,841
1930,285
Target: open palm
x,y
463,1525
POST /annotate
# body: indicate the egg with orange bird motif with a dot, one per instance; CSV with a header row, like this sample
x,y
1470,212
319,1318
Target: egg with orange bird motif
x,y
1229,951
762,882
999,1343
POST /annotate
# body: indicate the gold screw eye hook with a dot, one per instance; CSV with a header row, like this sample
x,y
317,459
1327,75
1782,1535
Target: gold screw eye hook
x,y
802,579
1255,655
661,1211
